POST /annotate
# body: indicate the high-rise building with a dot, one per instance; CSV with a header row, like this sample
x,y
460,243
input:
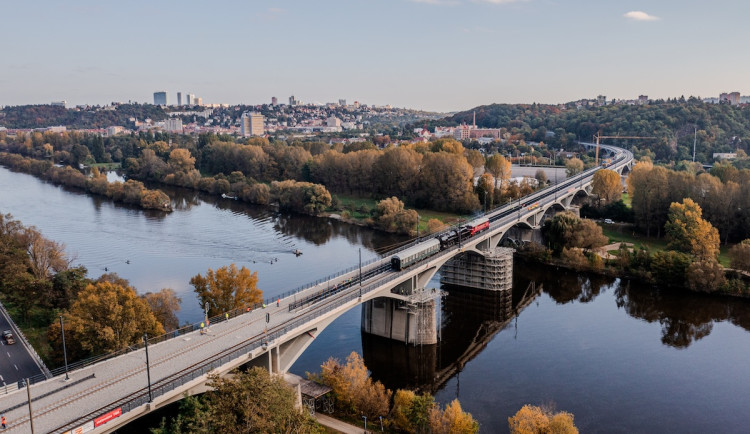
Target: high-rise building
x,y
173,125
160,98
642,99
252,124
59,103
179,98
342,102
197,100
292,101
601,100
190,98
274,101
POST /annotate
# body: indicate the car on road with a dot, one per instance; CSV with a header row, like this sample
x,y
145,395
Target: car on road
x,y
8,336
608,221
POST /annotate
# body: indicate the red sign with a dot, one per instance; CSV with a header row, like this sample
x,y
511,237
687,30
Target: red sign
x,y
101,420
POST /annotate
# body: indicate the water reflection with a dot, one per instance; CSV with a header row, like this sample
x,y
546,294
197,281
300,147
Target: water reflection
x,y
684,317
470,318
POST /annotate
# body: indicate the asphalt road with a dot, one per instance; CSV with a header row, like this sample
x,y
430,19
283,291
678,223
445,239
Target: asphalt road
x,y
15,361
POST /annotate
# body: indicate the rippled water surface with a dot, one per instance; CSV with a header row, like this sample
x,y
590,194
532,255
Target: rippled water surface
x,y
620,356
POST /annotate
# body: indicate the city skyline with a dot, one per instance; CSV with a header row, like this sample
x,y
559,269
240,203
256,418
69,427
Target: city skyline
x,y
439,55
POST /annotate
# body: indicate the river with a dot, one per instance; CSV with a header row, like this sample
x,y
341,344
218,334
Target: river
x,y
620,356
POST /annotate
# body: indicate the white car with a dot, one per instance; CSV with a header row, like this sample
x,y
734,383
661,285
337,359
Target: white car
x,y
608,221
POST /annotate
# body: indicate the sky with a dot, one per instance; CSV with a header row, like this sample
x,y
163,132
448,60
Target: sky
x,y
438,55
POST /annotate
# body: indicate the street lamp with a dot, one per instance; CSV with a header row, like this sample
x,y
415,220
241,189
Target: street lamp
x,y
65,351
360,272
695,139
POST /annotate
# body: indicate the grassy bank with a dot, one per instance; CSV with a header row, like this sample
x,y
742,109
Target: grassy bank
x,y
625,233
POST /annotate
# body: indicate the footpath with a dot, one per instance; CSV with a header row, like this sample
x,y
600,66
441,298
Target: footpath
x,y
337,425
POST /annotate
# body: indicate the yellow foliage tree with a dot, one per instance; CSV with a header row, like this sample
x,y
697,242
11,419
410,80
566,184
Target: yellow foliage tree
x,y
688,232
499,167
227,288
452,420
531,419
607,185
107,316
353,387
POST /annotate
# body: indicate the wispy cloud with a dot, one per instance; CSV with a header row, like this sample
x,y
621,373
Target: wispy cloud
x,y
498,2
640,16
437,2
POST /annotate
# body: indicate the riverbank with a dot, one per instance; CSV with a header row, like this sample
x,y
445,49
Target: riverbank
x,y
611,265
130,192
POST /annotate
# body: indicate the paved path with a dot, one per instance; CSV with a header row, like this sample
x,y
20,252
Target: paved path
x,y
338,425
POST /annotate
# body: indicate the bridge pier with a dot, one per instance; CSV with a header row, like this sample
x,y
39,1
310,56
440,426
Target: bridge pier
x,y
411,322
490,269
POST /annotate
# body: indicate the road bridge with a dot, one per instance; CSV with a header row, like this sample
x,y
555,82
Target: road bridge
x,y
107,394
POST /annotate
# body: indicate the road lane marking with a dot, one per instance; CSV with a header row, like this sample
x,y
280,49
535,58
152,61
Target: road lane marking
x,y
15,366
1,378
8,353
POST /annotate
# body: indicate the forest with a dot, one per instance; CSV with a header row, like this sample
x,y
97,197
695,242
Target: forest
x,y
43,115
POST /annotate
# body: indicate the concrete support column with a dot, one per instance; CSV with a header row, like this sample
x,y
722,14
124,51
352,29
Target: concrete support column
x,y
411,322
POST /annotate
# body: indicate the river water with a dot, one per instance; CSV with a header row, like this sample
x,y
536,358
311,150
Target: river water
x,y
620,356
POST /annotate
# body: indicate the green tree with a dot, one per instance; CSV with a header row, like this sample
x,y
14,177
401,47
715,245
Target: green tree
x,y
226,289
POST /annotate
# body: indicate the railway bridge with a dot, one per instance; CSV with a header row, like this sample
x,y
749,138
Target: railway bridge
x,y
102,396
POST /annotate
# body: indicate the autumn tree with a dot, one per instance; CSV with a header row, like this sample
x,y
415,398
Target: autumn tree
x,y
390,215
452,420
566,230
688,232
396,172
607,185
47,257
649,191
541,177
227,288
531,419
573,166
107,317
499,167
739,254
705,275
246,402
353,387
164,304
435,225
447,183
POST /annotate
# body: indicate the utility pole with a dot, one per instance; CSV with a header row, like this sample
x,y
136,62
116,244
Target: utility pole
x,y
28,394
65,352
148,368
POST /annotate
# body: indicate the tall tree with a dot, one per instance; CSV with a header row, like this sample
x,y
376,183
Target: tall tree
x,y
573,166
499,167
688,232
607,185
740,255
227,288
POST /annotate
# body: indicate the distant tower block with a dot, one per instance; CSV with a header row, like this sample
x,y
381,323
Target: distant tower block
x,y
493,270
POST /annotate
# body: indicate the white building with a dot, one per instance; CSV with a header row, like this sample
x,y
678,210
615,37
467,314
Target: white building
x,y
251,124
173,125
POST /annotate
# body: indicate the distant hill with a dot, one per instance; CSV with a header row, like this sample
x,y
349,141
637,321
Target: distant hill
x,y
721,127
40,116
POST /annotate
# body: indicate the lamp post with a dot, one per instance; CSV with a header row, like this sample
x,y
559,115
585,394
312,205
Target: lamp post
x,y
65,351
695,139
148,368
360,272
365,418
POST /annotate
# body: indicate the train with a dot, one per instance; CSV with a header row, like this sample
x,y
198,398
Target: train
x,y
412,255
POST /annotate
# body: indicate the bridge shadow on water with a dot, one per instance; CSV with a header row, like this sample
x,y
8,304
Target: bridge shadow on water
x,y
468,320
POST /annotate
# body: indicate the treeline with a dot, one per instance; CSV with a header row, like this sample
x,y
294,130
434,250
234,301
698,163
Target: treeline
x,y
38,282
130,192
720,127
437,175
723,195
43,115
